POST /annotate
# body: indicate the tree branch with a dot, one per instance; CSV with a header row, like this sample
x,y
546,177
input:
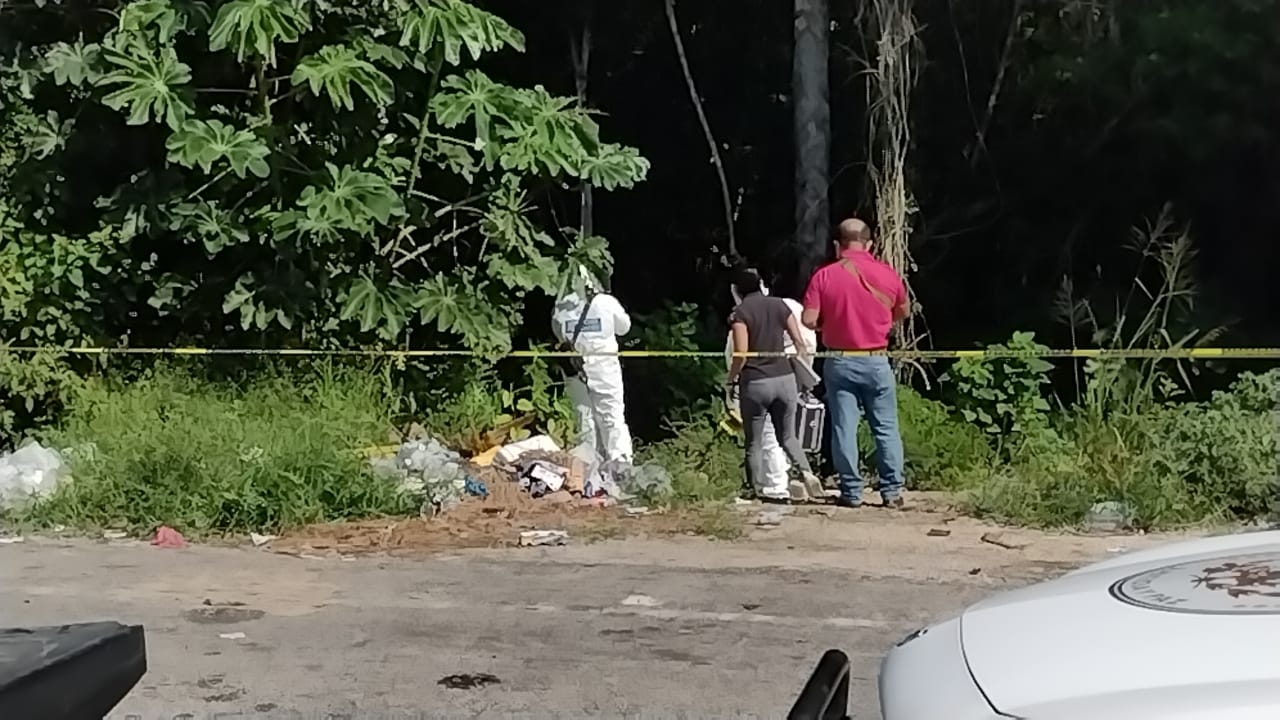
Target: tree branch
x,y
706,125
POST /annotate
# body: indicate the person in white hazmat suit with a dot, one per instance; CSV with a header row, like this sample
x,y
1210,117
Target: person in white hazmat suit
x,y
598,320
776,466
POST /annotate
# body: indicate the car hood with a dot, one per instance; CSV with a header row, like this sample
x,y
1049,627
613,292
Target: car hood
x,y
1204,613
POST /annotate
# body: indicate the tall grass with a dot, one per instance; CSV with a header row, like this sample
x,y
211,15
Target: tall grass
x,y
278,452
1133,436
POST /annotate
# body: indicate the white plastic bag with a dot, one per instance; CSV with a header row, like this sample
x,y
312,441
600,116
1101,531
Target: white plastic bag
x,y
32,471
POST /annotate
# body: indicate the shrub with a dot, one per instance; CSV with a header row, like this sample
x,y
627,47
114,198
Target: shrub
x,y
705,462
1003,396
484,410
168,449
1172,464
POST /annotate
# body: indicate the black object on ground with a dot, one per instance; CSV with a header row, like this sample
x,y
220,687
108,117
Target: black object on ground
x,y
69,672
826,694
468,681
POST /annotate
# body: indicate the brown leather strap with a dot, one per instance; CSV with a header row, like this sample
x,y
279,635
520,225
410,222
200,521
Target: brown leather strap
x,y
880,297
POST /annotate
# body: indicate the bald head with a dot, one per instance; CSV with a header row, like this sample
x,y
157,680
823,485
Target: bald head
x,y
854,231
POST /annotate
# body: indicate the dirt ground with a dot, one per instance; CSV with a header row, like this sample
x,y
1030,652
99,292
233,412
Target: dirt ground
x,y
375,619
929,533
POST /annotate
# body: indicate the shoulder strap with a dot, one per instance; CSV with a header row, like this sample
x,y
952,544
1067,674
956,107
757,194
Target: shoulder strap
x,y
880,297
582,319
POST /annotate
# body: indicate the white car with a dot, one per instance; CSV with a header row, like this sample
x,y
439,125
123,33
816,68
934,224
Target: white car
x,y
1190,631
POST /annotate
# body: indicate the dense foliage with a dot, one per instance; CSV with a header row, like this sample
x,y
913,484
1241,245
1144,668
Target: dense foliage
x,y
411,173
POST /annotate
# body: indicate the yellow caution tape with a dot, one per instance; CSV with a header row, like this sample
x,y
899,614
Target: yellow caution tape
x,y
1136,353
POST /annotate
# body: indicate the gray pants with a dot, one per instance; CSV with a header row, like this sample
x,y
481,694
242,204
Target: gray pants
x,y
774,400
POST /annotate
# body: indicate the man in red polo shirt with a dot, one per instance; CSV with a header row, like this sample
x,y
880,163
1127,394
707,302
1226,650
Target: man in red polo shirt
x,y
853,303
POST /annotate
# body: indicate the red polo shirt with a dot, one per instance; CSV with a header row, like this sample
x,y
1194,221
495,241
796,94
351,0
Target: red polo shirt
x,y
851,317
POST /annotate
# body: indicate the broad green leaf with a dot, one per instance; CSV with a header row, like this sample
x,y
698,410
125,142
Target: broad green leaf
x,y
210,224
72,64
472,96
46,136
257,26
168,18
352,200
202,143
615,166
376,52
454,25
148,83
375,307
436,303
240,299
335,68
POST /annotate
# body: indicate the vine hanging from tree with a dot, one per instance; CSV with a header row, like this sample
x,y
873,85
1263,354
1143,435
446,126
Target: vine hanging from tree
x,y
892,75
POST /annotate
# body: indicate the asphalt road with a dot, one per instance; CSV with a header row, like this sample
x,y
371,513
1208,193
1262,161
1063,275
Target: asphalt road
x,y
560,632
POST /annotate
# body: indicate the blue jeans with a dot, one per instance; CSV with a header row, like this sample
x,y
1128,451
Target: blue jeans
x,y
857,386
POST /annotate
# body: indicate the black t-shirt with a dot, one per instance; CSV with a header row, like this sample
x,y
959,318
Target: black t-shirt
x,y
766,321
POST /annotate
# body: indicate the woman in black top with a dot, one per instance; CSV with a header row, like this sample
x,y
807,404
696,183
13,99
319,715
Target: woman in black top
x,y
766,386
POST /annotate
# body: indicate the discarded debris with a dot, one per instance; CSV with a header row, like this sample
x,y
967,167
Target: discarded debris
x,y
998,539
637,511
538,538
260,540
32,472
167,537
1117,550
232,636
468,681
640,601
939,532
769,519
542,478
114,535
1109,517
12,540
510,453
475,488
975,571
750,607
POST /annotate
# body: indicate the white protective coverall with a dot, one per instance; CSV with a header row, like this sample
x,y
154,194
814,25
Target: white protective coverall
x,y
776,466
597,403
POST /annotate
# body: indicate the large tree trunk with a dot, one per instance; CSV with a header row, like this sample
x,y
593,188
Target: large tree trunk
x,y
812,118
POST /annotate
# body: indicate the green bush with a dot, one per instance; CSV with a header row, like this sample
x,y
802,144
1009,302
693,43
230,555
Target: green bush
x,y
705,462
204,458
484,403
1172,464
1003,396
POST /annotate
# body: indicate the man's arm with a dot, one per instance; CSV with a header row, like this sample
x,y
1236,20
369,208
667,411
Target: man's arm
x,y
793,329
621,320
811,316
901,304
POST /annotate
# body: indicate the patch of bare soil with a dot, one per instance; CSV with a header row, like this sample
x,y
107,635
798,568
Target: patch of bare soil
x,y
491,522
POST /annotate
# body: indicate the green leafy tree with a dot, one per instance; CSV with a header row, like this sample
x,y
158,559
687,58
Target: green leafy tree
x,y
303,172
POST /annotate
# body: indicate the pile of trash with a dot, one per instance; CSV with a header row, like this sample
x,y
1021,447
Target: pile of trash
x,y
32,472
427,469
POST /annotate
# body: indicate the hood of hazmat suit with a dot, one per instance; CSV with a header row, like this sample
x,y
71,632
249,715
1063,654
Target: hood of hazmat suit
x,y
597,394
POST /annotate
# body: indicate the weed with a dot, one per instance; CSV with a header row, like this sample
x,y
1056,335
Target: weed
x,y
485,412
204,458
705,463
711,519
1003,396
